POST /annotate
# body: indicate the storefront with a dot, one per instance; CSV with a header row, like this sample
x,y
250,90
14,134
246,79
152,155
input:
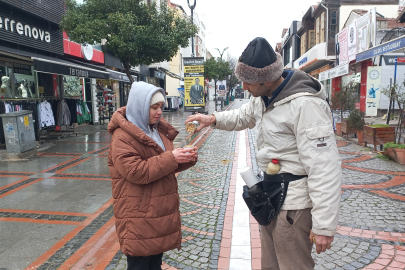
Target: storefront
x,y
35,77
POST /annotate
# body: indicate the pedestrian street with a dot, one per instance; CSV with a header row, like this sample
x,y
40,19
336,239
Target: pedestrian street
x,y
56,208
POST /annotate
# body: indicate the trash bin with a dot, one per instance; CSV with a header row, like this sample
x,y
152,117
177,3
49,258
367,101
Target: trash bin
x,y
227,101
19,131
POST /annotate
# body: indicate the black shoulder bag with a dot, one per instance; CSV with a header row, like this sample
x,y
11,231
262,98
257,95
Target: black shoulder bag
x,y
269,195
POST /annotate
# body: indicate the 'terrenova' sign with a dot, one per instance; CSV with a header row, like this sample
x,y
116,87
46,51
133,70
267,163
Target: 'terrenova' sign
x,y
24,29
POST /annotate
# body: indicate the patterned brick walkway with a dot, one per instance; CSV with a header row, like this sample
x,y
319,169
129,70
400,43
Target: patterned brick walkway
x,y
56,209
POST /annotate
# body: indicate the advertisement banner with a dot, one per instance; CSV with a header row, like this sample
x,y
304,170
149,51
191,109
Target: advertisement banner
x,y
221,86
373,90
194,82
343,47
352,42
366,31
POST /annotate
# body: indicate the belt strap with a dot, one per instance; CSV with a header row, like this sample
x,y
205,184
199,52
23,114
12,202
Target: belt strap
x,y
282,177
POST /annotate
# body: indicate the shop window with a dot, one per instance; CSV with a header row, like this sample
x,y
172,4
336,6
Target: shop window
x,y
6,73
333,17
332,31
352,81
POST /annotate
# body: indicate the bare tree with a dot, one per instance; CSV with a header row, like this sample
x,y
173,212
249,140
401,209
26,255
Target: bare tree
x,y
232,80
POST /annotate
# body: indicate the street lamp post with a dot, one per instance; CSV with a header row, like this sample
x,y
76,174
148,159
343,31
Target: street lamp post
x,y
192,7
223,51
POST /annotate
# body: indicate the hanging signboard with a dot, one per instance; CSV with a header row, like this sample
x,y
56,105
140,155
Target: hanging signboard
x,y
373,90
194,84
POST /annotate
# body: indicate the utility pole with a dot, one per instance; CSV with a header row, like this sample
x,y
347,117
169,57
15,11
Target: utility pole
x,y
192,7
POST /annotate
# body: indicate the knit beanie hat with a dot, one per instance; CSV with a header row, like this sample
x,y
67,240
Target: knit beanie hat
x,y
156,98
259,63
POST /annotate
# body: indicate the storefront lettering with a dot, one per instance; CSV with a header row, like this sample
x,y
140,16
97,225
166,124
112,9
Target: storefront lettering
x,y
303,61
78,72
26,30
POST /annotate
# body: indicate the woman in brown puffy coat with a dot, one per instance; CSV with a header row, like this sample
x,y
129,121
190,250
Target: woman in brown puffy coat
x,y
143,164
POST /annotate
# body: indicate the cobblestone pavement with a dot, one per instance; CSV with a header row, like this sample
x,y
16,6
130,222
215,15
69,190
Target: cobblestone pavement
x,y
56,208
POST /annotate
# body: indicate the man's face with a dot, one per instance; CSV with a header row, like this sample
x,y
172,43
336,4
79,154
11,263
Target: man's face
x,y
197,81
257,89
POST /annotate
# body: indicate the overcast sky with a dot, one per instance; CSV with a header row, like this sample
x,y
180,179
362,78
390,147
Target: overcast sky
x,y
234,23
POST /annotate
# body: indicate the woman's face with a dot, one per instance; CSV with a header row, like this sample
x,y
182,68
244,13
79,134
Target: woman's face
x,y
155,112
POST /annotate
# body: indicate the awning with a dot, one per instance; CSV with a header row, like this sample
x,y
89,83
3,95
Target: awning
x,y
63,67
118,76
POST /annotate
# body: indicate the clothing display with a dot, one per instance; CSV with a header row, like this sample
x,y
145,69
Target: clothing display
x,y
63,113
45,115
106,99
83,112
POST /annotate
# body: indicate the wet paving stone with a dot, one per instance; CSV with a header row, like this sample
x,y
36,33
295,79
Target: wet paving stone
x,y
42,216
67,250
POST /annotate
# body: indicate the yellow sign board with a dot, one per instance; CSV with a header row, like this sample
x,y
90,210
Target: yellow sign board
x,y
194,90
41,89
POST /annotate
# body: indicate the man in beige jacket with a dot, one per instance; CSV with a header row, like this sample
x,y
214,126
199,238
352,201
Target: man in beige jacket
x,y
294,125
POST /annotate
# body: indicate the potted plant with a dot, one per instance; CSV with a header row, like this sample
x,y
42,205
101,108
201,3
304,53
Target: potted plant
x,y
346,127
378,135
356,121
343,100
395,151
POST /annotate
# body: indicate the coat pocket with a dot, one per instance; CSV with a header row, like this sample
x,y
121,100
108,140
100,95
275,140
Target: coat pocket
x,y
320,138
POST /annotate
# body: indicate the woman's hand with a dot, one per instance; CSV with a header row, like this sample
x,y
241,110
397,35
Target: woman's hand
x,y
185,155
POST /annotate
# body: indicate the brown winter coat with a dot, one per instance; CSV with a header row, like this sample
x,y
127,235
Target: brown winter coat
x,y
144,186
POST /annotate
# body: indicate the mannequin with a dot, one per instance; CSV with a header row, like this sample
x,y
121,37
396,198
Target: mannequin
x,y
22,91
6,86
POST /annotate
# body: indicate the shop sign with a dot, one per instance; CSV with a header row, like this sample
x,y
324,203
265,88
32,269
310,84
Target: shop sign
x,y
352,42
366,31
341,41
87,51
334,72
22,69
30,31
303,61
373,90
194,82
383,48
61,69
390,60
121,77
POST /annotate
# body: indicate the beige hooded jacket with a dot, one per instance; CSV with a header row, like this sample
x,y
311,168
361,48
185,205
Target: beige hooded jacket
x,y
296,128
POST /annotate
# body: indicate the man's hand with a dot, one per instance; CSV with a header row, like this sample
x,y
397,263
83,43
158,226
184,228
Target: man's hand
x,y
322,242
204,120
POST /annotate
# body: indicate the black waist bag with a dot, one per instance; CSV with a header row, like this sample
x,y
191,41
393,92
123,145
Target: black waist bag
x,y
266,202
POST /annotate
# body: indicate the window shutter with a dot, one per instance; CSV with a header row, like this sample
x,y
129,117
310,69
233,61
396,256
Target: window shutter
x,y
312,38
323,27
303,43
